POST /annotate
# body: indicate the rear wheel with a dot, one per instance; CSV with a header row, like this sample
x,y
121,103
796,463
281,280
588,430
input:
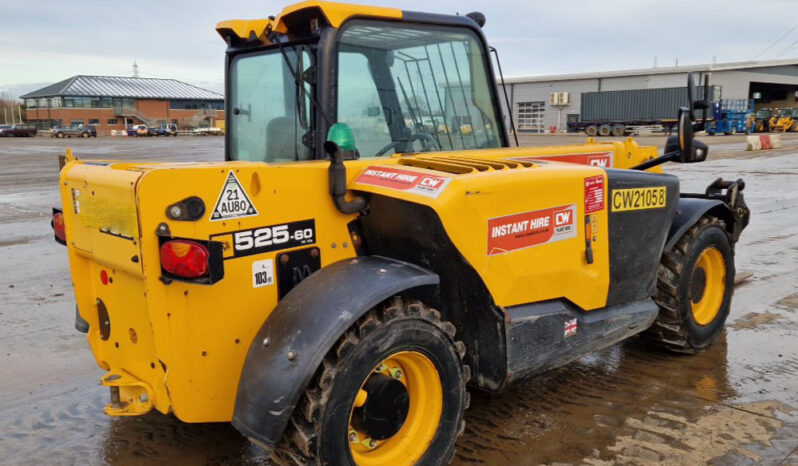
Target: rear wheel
x,y
618,130
84,135
694,289
604,130
391,392
59,135
591,130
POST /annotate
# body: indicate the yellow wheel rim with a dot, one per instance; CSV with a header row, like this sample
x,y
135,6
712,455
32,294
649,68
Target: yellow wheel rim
x,y
708,285
424,389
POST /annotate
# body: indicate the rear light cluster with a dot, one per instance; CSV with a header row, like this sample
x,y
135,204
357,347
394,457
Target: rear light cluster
x,y
185,259
59,228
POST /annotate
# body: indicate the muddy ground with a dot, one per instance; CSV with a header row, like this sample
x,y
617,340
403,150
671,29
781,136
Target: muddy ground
x,y
734,404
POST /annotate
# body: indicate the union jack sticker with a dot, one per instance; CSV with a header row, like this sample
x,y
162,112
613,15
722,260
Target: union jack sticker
x,y
570,328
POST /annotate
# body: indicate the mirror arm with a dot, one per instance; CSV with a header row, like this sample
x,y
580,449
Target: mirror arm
x,y
664,158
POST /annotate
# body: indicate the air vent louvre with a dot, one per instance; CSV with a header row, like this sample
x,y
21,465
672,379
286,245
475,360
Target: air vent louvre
x,y
460,165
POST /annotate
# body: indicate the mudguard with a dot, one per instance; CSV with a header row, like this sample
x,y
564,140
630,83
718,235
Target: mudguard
x,y
300,331
688,212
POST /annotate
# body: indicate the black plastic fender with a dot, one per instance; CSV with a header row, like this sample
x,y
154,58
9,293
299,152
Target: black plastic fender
x,y
299,332
688,212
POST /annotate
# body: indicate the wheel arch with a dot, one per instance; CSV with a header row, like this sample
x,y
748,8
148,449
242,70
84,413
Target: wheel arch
x,y
690,210
292,342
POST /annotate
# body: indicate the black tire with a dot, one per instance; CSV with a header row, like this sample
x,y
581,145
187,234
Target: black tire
x,y
591,130
676,328
604,130
318,430
59,135
618,131
85,135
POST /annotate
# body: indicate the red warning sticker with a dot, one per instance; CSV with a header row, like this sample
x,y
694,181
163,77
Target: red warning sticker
x,y
404,180
594,194
519,231
595,159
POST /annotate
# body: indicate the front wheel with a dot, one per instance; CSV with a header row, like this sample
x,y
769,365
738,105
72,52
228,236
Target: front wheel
x,y
391,392
695,283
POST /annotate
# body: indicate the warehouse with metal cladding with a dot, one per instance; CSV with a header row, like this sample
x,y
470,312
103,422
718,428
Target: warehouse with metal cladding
x,y
546,103
115,102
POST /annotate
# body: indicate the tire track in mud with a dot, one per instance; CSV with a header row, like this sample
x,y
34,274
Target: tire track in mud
x,y
634,406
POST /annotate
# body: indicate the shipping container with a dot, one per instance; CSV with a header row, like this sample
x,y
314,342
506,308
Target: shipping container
x,y
636,104
619,113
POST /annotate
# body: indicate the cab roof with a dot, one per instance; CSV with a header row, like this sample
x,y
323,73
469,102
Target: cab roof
x,y
299,19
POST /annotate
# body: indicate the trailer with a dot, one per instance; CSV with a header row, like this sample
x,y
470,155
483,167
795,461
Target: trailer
x,y
731,116
635,111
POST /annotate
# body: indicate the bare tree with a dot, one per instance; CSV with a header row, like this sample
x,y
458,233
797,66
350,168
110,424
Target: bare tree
x,y
10,106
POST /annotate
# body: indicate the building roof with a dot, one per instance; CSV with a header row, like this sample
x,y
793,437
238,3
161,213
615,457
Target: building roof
x,y
663,70
121,86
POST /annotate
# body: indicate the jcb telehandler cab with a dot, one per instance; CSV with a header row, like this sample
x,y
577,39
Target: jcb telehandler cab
x,y
372,245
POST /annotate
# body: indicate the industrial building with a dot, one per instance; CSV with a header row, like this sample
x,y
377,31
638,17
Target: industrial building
x,y
115,102
540,103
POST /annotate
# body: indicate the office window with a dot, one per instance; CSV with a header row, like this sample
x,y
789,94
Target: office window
x,y
94,122
112,122
76,122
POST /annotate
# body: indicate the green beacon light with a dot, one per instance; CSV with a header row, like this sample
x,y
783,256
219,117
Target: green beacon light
x,y
342,135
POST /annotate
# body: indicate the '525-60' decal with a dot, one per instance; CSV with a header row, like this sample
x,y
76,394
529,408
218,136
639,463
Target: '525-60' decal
x,y
272,238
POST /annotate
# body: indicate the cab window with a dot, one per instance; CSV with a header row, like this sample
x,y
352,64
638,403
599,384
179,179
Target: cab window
x,y
414,88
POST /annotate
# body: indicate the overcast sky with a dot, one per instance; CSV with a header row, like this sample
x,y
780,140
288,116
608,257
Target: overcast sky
x,y
46,41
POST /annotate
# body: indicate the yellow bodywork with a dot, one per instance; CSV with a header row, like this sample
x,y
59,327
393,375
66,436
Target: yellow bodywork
x,y
783,124
180,347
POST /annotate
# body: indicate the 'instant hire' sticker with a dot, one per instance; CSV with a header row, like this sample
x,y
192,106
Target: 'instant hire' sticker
x,y
404,180
519,231
594,159
233,201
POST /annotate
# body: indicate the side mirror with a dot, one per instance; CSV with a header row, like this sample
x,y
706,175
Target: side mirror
x,y
688,149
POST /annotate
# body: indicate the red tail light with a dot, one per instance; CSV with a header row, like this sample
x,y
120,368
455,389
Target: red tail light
x,y
59,229
184,258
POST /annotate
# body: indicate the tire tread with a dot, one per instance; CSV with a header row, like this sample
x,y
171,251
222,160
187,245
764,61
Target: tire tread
x,y
298,445
669,329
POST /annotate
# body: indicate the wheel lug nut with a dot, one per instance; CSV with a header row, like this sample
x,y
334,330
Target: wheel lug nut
x,y
353,437
372,443
397,374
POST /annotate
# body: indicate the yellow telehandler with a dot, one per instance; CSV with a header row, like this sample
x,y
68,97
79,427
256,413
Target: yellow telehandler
x,y
335,286
784,120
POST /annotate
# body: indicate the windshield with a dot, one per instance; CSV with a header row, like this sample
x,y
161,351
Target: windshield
x,y
763,114
785,112
413,88
266,103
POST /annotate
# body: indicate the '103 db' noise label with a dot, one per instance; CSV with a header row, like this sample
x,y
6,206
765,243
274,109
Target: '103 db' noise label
x,y
273,238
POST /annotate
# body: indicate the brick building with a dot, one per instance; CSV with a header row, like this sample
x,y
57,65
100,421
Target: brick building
x,y
115,103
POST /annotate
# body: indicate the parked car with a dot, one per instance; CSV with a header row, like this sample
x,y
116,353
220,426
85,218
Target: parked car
x,y
138,130
17,131
77,131
163,131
